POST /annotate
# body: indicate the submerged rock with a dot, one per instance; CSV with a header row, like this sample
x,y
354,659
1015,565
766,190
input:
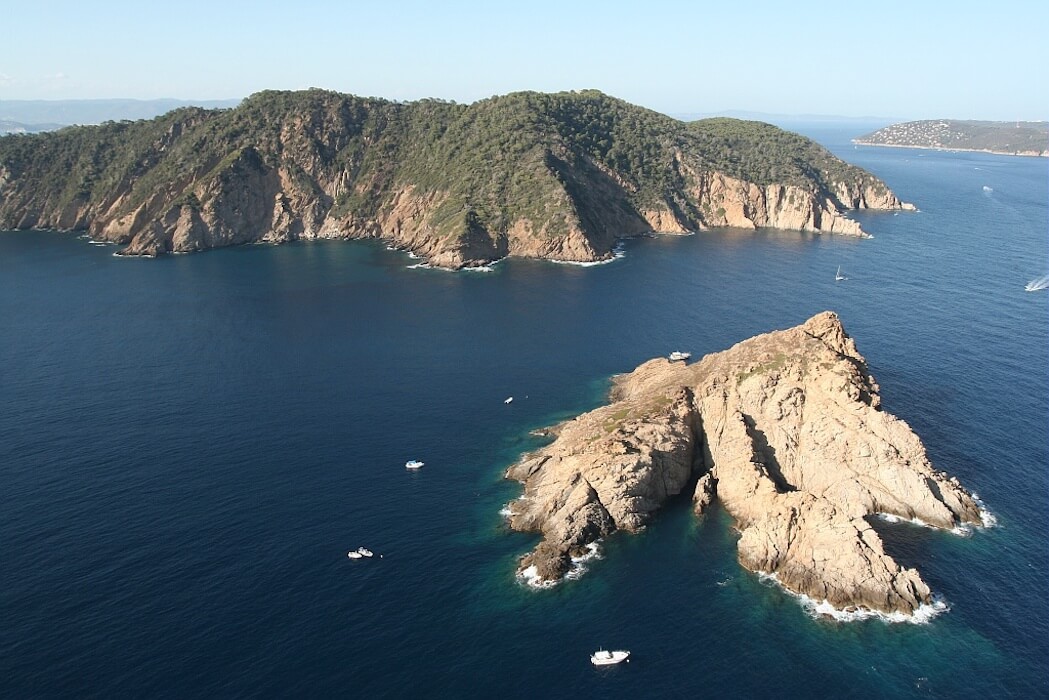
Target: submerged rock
x,y
786,431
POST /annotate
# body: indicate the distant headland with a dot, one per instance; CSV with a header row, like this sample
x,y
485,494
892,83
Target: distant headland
x,y
786,431
556,176
1004,138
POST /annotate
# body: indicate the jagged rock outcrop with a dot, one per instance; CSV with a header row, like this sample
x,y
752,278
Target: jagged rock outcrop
x,y
559,176
785,430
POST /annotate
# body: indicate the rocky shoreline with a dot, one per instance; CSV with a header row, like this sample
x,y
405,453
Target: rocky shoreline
x,y
786,431
953,149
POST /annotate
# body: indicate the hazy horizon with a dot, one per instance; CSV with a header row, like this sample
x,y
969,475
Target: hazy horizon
x,y
904,61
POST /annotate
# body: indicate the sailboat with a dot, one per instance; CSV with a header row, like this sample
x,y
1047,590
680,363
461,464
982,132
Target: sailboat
x,y
838,277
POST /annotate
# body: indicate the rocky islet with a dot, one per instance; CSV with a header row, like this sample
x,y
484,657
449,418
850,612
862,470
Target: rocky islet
x,y
786,431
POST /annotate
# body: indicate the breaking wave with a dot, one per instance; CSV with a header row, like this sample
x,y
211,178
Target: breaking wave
x,y
529,576
822,609
617,252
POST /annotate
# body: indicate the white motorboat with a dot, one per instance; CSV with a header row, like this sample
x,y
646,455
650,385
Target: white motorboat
x,y
413,464
678,356
354,554
607,658
1037,285
838,277
365,552
509,399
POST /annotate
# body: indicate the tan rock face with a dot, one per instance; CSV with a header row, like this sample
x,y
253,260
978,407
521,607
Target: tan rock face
x,y
250,200
785,430
663,221
726,201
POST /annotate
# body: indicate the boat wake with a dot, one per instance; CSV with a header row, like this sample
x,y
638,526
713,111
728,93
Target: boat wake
x,y
1037,285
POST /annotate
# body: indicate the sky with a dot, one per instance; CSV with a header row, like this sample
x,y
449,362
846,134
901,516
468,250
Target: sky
x,y
921,59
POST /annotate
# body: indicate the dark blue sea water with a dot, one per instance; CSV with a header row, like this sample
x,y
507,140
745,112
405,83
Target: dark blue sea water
x,y
190,445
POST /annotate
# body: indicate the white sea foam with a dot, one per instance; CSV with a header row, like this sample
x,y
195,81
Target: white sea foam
x,y
824,609
428,266
530,577
890,518
617,252
987,520
582,264
505,511
579,563
1037,285
986,516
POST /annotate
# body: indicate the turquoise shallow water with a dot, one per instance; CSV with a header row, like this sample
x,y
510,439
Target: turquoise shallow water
x,y
188,447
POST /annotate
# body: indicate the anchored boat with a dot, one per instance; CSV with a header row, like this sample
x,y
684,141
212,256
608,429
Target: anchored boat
x,y
607,658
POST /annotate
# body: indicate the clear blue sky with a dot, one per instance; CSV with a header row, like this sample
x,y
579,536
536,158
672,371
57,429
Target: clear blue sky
x,y
919,59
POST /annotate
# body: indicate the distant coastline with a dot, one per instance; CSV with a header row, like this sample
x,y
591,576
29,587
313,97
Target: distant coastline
x,y
1025,154
1001,138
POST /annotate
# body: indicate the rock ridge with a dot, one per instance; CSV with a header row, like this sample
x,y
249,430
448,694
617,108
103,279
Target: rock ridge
x,y
786,431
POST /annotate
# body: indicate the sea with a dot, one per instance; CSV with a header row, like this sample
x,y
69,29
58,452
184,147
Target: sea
x,y
190,446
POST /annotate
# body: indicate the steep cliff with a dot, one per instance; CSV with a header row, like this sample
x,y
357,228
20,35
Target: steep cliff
x,y
559,176
785,430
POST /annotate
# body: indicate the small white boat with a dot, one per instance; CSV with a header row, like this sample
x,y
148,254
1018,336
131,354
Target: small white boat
x,y
354,554
1037,285
365,552
678,356
413,464
509,399
607,658
838,277
988,189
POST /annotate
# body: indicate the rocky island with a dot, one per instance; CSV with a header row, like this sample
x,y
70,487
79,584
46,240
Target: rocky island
x,y
557,176
1003,138
786,431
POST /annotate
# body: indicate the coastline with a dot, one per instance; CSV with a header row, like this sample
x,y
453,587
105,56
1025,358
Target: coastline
x,y
1044,154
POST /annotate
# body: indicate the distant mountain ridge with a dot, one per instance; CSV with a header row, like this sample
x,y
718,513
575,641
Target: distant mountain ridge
x,y
45,115
1006,138
8,126
559,176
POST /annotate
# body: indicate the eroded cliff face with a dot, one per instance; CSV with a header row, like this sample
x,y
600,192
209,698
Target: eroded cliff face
x,y
786,431
727,201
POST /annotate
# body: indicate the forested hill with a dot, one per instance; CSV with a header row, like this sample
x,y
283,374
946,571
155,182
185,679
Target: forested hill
x,y
1009,138
557,176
